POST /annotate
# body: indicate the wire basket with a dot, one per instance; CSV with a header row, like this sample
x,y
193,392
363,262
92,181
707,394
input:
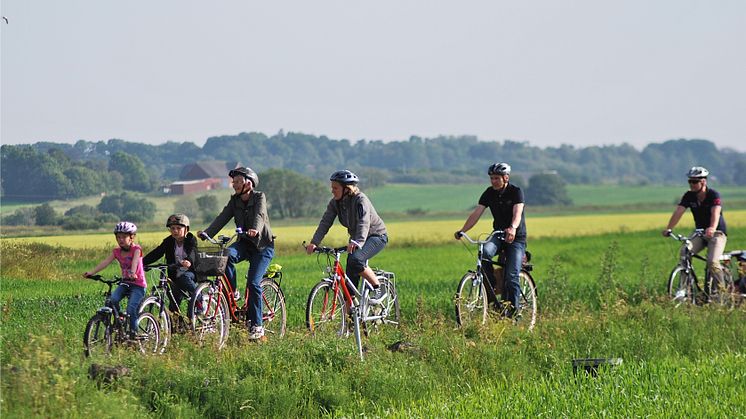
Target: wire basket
x,y
211,261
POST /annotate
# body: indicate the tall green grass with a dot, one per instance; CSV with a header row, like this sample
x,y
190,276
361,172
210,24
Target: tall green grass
x,y
599,296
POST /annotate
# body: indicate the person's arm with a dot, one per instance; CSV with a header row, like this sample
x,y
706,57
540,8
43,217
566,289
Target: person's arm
x,y
362,226
220,221
714,220
327,220
104,263
136,257
471,220
260,208
514,223
675,217
154,254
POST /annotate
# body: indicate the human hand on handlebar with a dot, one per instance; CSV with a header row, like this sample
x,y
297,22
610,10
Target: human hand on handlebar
x,y
458,234
310,247
666,232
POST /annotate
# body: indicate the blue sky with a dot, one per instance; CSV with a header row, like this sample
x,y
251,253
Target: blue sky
x,y
547,72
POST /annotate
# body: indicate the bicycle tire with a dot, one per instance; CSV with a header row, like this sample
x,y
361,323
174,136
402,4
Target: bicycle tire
x,y
152,305
325,311
471,301
148,334
97,336
208,314
682,286
274,312
528,311
723,294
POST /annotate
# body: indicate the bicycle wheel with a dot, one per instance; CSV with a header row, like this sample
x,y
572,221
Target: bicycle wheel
x,y
152,305
97,336
208,313
471,301
682,286
527,314
325,311
274,314
388,308
148,334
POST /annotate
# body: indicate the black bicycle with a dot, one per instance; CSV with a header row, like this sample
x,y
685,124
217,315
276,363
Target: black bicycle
x,y
161,303
475,290
109,327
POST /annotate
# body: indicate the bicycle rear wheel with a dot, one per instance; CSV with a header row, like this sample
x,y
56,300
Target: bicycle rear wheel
x,y
274,314
148,334
208,313
388,308
527,313
325,311
682,286
471,301
97,336
152,305
722,292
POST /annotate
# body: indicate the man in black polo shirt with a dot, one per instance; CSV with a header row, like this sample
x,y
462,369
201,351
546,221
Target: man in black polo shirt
x,y
506,203
707,210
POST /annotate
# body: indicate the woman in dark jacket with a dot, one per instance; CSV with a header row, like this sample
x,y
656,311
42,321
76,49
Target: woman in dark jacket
x,y
180,250
248,209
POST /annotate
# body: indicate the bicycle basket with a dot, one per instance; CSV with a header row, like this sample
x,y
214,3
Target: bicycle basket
x,y
211,261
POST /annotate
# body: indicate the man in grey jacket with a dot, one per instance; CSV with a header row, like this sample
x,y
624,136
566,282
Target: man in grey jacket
x,y
366,229
248,209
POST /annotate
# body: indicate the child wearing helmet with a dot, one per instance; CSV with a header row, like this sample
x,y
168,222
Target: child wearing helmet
x,y
180,251
129,256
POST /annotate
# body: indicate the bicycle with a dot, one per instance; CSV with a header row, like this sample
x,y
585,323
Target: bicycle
x,y
685,287
161,303
213,306
109,327
472,296
330,299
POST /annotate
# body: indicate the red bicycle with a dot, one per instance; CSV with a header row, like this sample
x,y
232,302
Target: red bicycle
x,y
335,298
213,307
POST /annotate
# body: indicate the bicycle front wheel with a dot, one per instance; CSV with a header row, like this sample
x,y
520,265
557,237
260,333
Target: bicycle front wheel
x,y
274,314
471,301
682,286
148,334
97,336
208,313
325,311
152,305
527,313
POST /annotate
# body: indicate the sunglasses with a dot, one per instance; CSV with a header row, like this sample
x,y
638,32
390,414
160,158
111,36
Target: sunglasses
x,y
694,181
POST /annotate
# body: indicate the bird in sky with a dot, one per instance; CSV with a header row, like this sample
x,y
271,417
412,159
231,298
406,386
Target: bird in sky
x,y
5,19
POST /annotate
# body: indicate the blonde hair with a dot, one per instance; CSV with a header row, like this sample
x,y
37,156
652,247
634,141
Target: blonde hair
x,y
351,189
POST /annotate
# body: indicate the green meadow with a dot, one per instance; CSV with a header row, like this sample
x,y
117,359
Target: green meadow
x,y
600,296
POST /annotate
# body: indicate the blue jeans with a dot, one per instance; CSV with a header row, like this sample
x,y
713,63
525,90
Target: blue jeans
x,y
514,259
135,295
184,282
259,261
358,260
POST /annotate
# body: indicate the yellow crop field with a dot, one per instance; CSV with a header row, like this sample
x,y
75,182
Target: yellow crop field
x,y
428,232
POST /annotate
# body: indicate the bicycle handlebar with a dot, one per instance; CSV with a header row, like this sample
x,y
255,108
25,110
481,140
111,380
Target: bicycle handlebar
x,y
327,250
497,233
221,240
680,237
114,280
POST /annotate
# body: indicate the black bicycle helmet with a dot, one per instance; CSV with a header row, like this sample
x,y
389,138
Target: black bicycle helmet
x,y
499,169
247,173
344,177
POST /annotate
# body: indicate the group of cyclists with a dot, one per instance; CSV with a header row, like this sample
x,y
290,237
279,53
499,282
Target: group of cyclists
x,y
368,236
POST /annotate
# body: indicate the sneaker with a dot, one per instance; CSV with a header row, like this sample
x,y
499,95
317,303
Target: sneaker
x,y
257,332
378,294
237,295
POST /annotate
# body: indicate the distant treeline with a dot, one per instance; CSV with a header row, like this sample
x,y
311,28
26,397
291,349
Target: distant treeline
x,y
417,160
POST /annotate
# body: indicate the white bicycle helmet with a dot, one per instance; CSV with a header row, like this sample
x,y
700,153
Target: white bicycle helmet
x,y
698,172
125,227
499,169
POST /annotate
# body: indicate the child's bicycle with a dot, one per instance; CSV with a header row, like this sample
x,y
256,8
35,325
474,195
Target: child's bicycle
x,y
475,290
330,299
109,327
161,303
685,288
214,307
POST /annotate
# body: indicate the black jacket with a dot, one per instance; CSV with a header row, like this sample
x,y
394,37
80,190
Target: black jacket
x,y
251,214
166,248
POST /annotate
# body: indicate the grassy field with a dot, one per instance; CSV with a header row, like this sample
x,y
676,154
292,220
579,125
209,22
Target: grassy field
x,y
600,295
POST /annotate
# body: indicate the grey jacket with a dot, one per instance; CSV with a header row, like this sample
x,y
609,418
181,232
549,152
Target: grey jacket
x,y
247,215
356,213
